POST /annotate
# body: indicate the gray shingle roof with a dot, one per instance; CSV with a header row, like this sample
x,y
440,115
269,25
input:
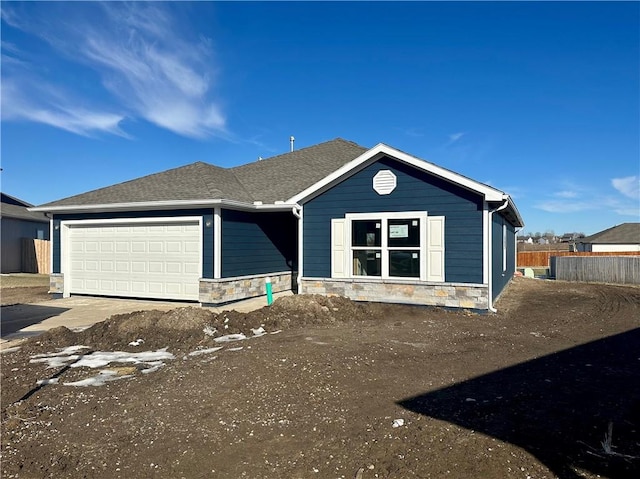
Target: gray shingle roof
x,y
276,178
626,233
11,207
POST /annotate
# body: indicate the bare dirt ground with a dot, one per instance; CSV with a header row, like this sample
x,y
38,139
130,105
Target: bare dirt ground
x,y
548,387
23,288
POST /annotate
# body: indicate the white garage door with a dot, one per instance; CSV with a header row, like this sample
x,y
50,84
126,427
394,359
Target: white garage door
x,y
144,260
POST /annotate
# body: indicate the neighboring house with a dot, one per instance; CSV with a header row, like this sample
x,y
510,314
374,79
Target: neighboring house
x,y
335,218
17,222
624,237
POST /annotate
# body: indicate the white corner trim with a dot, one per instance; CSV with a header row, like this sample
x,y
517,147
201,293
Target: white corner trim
x,y
217,242
486,245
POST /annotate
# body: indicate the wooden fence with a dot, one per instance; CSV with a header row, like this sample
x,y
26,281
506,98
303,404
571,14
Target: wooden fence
x,y
540,259
609,269
36,256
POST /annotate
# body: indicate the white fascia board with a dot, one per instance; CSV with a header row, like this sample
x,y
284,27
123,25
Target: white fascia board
x,y
380,150
160,205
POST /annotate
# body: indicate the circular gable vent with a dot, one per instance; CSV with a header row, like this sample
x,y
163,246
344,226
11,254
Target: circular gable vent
x,y
384,182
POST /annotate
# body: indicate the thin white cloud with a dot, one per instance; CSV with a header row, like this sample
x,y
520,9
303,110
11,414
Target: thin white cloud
x,y
560,206
455,137
566,194
149,69
53,109
577,198
628,186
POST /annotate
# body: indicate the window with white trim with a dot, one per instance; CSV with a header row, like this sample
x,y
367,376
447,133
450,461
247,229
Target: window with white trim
x,y
388,245
504,247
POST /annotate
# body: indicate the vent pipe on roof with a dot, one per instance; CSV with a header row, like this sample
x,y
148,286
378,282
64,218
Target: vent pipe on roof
x,y
291,140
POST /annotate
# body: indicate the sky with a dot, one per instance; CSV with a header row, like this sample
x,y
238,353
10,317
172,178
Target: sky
x,y
538,99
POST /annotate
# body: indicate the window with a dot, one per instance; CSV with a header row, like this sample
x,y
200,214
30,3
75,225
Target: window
x,y
388,245
504,247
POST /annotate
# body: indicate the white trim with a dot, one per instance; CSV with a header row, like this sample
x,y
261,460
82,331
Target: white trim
x,y
486,244
504,247
217,242
380,150
146,219
384,248
65,225
159,205
51,246
300,216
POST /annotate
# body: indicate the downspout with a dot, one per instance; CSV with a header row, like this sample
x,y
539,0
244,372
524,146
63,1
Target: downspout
x,y
491,212
297,212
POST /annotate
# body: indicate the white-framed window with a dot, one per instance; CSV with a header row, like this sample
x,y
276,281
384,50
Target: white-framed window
x,y
407,245
504,247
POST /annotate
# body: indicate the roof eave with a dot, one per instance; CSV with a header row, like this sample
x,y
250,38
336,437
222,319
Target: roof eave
x,y
163,205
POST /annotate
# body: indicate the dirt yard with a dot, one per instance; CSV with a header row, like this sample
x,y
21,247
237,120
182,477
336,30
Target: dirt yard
x,y
327,388
19,288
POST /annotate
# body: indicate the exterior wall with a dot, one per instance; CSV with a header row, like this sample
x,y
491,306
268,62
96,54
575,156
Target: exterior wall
x,y
455,295
500,277
218,291
415,191
207,231
257,243
11,232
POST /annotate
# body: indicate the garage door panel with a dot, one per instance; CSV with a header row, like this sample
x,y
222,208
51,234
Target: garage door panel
x,y
156,261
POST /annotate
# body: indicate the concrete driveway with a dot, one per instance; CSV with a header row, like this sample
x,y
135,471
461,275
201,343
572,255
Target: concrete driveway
x,y
79,312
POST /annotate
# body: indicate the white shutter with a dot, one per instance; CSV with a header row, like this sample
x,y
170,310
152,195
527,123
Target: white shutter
x,y
435,248
338,248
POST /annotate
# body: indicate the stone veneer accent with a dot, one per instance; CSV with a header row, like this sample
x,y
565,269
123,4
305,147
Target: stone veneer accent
x,y
224,290
56,284
453,295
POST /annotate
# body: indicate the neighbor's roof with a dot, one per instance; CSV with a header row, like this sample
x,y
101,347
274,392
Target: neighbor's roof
x,y
12,207
273,179
626,233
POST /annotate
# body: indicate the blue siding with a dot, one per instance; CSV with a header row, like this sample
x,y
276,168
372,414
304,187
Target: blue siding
x,y
257,243
415,191
207,233
499,277
56,247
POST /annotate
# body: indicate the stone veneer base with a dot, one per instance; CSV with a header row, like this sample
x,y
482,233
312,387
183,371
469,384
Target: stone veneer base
x,y
56,284
451,295
224,290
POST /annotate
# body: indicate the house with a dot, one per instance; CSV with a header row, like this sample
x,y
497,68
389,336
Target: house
x,y
16,223
624,237
335,218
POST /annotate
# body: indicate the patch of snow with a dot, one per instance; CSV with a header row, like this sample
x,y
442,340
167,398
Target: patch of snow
x,y
100,359
229,338
276,332
137,342
397,423
10,350
103,377
200,352
258,332
236,349
55,361
43,382
209,331
152,369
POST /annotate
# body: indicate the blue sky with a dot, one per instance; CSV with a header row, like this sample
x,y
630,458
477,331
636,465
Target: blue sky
x,y
540,100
